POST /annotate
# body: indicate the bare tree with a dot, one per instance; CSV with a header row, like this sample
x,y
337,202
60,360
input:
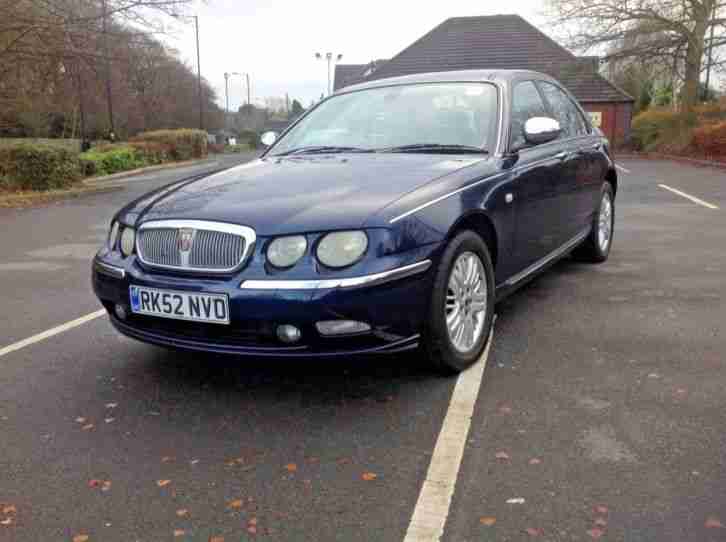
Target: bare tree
x,y
676,33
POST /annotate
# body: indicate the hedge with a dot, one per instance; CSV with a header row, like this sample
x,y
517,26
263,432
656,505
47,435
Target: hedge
x,y
183,144
38,167
710,139
108,159
662,129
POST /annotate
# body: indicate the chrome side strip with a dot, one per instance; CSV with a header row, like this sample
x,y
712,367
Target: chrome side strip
x,y
539,264
110,270
441,198
365,280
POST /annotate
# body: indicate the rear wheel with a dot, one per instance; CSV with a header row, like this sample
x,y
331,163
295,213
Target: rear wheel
x,y
596,248
462,305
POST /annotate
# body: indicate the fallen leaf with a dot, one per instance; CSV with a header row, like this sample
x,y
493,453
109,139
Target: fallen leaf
x,y
237,503
252,529
94,483
595,533
6,521
535,461
502,455
194,461
80,538
601,522
162,483
368,476
182,512
216,539
109,420
106,485
505,409
713,523
601,509
291,467
167,458
9,509
80,419
533,531
515,500
681,391
87,426
252,521
344,460
488,520
111,405
178,532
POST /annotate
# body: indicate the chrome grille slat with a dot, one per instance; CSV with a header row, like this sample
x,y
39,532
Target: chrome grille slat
x,y
215,247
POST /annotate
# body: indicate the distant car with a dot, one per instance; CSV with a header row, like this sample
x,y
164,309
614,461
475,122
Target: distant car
x,y
389,217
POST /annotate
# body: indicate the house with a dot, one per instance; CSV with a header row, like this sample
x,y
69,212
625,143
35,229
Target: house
x,y
505,42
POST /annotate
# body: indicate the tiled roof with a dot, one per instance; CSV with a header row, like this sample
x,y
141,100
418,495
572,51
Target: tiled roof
x,y
500,42
345,73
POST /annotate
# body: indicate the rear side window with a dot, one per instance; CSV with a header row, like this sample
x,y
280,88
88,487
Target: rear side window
x,y
526,103
564,110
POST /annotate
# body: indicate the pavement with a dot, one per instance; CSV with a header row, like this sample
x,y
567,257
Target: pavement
x,y
600,413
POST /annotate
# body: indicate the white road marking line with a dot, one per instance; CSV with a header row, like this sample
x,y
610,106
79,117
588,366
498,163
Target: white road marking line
x,y
50,332
621,168
432,508
688,196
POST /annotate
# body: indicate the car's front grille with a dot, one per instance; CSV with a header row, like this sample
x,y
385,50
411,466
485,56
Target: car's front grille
x,y
194,245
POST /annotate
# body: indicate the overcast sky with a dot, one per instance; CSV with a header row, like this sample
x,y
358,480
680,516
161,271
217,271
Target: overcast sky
x,y
275,41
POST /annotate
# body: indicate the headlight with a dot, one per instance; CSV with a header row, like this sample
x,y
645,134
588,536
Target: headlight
x,y
113,235
286,251
340,249
128,238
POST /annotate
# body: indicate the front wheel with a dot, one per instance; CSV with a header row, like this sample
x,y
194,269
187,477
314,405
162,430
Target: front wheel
x,y
596,247
462,305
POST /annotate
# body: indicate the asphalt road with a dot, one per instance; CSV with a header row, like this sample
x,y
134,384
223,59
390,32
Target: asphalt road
x,y
601,413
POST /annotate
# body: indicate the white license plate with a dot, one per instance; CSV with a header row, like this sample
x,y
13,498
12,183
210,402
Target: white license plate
x,y
212,308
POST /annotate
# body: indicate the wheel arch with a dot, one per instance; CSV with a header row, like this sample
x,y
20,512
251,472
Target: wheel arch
x,y
481,224
612,177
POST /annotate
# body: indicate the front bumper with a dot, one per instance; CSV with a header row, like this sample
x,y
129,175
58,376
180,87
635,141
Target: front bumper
x,y
394,303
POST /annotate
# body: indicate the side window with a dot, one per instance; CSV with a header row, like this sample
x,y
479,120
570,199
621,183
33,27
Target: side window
x,y
564,111
526,103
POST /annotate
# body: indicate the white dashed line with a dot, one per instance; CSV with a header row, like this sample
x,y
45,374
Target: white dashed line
x,y
50,332
432,508
621,168
694,199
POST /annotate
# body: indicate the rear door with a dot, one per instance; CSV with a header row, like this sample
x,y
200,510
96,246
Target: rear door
x,y
537,182
577,183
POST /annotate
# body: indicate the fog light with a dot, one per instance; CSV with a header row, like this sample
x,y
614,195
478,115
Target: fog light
x,y
341,327
288,334
121,312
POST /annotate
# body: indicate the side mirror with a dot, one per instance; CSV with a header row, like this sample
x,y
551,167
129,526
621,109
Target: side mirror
x,y
268,138
538,130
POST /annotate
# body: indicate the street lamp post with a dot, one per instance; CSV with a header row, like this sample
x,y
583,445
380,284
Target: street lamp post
x,y
329,58
199,67
227,75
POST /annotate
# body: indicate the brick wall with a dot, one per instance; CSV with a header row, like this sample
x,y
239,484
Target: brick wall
x,y
615,120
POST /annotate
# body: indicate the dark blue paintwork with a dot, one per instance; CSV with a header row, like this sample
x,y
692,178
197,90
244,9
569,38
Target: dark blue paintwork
x,y
554,190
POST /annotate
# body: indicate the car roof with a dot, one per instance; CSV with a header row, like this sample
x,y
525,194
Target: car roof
x,y
464,76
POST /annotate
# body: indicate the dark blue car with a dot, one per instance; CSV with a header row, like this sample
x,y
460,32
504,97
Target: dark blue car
x,y
391,216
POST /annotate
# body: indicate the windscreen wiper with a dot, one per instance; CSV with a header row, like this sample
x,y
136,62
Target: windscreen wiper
x,y
436,147
312,149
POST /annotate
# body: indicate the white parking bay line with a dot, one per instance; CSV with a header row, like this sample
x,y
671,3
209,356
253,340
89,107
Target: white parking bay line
x,y
621,168
432,508
50,332
689,197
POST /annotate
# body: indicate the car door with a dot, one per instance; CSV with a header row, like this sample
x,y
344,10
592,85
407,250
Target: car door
x,y
536,181
576,183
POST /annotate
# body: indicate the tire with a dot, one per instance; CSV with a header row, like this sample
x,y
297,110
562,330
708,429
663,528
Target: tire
x,y
450,352
596,247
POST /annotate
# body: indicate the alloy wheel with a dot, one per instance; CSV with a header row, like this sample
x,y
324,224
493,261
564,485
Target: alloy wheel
x,y
466,302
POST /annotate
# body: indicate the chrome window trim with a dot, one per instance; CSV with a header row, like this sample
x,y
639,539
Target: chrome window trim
x,y
351,282
247,233
110,270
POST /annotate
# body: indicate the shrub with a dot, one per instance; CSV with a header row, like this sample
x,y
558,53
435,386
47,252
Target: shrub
x,y
108,159
710,139
250,137
183,144
216,148
38,167
663,130
152,152
233,149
